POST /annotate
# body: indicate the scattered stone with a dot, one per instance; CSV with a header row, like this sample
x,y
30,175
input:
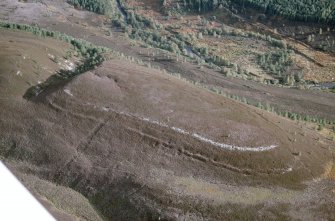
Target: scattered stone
x,y
296,153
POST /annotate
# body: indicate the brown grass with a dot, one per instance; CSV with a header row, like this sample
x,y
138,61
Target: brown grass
x,y
329,171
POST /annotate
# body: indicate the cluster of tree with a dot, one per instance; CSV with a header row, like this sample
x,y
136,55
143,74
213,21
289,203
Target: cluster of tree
x,y
155,39
93,54
268,107
178,44
276,62
97,6
145,29
137,26
302,10
201,5
137,21
141,28
217,32
210,58
33,29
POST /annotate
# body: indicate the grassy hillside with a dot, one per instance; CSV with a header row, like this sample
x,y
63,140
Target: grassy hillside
x,y
132,143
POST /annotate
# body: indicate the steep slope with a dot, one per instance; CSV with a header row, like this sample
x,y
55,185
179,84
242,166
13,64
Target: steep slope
x,y
26,60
